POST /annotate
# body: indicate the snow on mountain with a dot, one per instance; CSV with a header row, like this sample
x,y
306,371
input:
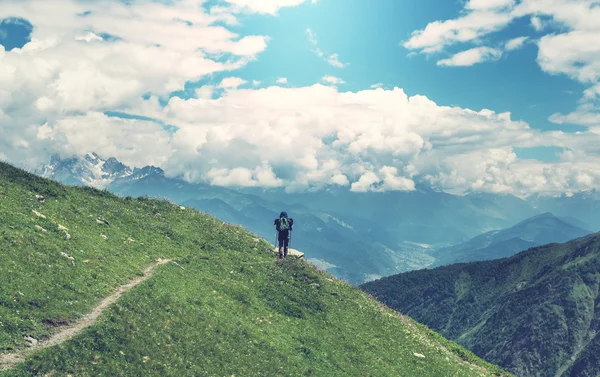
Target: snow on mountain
x,y
89,170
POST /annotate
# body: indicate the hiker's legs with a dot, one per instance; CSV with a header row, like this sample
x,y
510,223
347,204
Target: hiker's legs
x,y
286,242
281,245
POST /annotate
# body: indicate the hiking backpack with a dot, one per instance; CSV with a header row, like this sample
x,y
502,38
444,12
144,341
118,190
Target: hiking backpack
x,y
284,224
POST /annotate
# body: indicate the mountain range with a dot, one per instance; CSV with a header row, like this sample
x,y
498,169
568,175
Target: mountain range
x,y
379,234
536,313
534,231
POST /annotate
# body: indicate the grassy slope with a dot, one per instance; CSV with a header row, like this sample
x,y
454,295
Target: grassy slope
x,y
232,310
535,313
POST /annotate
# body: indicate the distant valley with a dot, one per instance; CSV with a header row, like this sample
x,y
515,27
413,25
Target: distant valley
x,y
538,230
380,234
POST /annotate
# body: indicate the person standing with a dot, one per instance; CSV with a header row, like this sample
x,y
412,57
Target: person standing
x,y
284,228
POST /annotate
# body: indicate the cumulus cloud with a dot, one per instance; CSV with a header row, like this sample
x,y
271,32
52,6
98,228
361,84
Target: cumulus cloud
x,y
265,6
558,52
372,140
65,68
262,176
54,92
335,61
332,80
365,182
515,43
232,82
569,46
576,54
340,180
536,23
472,56
310,137
282,80
489,4
474,24
386,179
582,117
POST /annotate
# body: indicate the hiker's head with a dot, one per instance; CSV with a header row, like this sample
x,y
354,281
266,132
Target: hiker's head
x,y
283,214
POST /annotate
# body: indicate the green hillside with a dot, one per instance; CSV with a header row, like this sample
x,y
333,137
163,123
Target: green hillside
x,y
536,313
226,308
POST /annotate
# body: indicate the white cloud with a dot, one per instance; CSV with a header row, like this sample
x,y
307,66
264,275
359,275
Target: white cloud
x,y
205,92
569,46
255,83
576,54
54,90
536,23
373,140
242,177
472,56
265,6
489,4
282,80
386,180
340,180
592,92
88,37
365,182
65,70
232,82
135,142
515,43
583,117
398,139
391,180
376,86
333,80
312,37
334,61
474,24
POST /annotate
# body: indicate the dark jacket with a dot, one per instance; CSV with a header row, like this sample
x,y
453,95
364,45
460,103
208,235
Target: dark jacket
x,y
276,223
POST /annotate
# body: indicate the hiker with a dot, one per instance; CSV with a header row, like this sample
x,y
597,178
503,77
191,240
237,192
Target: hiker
x,y
284,228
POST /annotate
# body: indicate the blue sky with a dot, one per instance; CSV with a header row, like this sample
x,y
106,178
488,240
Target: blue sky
x,y
418,46
368,36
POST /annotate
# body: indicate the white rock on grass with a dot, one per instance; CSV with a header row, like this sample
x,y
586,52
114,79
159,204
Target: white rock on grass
x,y
103,236
63,228
66,255
31,341
419,355
38,214
40,228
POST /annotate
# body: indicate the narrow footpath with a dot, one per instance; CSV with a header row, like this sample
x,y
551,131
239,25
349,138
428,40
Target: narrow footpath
x,y
10,360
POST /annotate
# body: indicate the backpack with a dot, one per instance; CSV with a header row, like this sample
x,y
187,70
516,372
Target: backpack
x,y
284,224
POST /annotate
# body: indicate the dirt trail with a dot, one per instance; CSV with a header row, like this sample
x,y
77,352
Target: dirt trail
x,y
8,361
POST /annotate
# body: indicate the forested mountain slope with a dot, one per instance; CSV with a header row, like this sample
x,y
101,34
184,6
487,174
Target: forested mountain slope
x,y
537,313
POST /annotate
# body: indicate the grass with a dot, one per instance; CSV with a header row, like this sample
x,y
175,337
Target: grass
x,y
232,310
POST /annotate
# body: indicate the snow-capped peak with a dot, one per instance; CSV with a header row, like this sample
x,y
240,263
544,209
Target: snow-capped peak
x,y
89,170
